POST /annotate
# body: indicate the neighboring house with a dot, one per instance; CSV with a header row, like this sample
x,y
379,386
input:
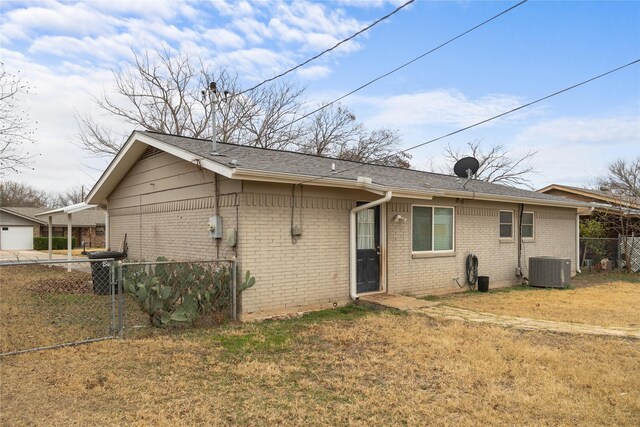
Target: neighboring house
x,y
603,201
304,232
18,229
21,225
620,216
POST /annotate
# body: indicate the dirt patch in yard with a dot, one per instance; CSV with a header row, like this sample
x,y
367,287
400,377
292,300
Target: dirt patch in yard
x,y
609,304
348,366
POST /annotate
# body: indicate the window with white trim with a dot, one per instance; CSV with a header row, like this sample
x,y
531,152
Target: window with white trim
x,y
506,224
432,229
527,225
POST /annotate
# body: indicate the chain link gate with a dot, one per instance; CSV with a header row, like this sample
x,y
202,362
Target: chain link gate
x,y
56,303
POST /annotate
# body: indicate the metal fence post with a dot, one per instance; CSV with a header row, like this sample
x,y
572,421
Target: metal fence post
x,y
120,301
234,290
112,285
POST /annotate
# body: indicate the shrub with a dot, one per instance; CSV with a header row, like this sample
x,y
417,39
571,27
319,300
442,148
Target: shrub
x,y
181,292
42,243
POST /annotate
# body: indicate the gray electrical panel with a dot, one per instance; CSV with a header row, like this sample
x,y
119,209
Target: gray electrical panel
x,y
549,272
215,227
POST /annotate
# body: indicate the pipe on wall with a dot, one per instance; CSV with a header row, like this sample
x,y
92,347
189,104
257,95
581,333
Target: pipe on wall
x,y
353,292
578,269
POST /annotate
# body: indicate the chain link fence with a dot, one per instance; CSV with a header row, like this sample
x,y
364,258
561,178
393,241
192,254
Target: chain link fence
x,y
52,303
610,253
48,304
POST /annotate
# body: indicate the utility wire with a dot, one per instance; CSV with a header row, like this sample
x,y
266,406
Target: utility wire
x,y
392,71
403,65
327,50
528,104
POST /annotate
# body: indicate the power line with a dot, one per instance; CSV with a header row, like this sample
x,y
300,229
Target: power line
x,y
528,104
403,65
327,50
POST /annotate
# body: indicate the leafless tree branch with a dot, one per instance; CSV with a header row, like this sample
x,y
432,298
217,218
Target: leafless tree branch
x,y
16,134
495,163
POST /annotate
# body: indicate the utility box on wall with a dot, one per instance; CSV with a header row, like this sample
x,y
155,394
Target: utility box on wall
x,y
215,227
549,272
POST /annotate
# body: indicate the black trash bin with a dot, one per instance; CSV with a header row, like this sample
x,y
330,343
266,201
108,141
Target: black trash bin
x,y
100,270
483,283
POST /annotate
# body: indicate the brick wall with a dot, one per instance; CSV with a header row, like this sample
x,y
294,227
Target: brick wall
x,y
477,232
315,269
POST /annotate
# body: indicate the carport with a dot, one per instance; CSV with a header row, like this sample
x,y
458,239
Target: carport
x,y
70,210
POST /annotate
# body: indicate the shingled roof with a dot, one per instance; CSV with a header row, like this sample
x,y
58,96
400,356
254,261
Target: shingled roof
x,y
245,162
268,160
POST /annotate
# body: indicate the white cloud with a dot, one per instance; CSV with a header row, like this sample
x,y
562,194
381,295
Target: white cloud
x,y
584,130
575,150
437,107
255,63
313,72
224,38
76,19
107,49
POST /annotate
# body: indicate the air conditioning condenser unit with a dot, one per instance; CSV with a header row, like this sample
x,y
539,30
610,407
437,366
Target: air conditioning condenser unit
x,y
549,272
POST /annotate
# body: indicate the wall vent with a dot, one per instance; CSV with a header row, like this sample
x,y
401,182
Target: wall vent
x,y
549,272
149,152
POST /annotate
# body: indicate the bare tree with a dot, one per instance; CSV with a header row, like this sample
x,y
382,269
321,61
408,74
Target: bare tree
x,y
378,147
19,195
167,93
623,216
71,196
329,130
15,131
265,113
496,165
335,132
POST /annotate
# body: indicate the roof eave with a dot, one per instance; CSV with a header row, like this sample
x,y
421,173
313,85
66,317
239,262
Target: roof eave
x,y
516,199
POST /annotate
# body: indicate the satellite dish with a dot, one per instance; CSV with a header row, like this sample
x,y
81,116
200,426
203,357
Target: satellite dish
x,y
464,165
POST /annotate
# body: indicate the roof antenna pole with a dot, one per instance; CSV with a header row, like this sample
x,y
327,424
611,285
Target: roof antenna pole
x,y
213,92
469,175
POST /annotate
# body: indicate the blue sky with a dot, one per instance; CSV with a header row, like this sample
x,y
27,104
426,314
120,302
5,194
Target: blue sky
x,y
68,49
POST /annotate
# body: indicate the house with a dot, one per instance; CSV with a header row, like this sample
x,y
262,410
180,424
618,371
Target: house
x,y
620,216
603,201
316,231
20,225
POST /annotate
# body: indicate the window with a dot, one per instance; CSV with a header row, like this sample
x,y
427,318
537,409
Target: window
x,y
366,229
432,229
527,225
506,224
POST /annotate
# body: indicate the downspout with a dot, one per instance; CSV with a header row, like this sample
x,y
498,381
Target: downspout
x,y
352,240
578,269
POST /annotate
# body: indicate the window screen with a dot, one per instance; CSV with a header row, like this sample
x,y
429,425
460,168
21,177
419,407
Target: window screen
x,y
432,229
527,225
421,229
506,224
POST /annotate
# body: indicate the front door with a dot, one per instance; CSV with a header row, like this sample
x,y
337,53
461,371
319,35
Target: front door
x,y
368,250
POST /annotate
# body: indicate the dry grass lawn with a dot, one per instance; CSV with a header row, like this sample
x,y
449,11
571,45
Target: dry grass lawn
x,y
46,305
615,303
349,366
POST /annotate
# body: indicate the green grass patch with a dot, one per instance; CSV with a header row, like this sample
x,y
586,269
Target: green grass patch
x,y
276,336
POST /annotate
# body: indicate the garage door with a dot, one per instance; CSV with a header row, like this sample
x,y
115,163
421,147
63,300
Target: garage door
x,y
16,237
